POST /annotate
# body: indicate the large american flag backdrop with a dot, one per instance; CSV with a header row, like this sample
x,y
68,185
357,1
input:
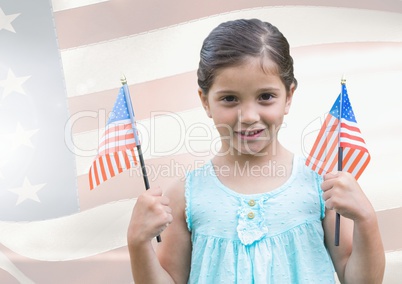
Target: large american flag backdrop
x,y
60,67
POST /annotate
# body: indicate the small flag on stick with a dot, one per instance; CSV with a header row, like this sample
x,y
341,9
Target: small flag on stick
x,y
116,148
116,151
339,144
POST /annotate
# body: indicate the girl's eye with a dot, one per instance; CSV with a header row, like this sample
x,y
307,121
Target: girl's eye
x,y
229,99
266,96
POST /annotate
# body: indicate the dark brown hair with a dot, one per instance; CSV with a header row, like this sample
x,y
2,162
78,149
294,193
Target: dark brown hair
x,y
232,42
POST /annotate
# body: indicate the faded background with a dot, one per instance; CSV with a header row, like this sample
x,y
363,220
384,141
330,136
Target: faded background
x,y
60,69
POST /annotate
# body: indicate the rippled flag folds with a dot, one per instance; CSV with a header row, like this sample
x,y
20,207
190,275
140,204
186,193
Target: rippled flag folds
x,y
339,131
116,151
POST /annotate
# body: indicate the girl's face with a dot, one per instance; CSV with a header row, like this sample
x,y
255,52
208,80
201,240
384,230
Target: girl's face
x,y
248,106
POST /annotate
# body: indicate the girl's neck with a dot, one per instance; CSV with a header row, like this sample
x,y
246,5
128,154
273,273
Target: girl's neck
x,y
228,158
248,174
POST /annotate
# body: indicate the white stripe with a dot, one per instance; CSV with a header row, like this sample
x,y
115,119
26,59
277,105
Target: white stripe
x,y
125,132
67,238
324,136
352,132
130,157
333,139
114,164
331,159
99,171
359,164
351,160
122,160
111,145
61,5
353,142
118,123
106,167
175,50
349,123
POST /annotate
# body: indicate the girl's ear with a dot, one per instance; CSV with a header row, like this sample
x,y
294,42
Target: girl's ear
x,y
204,101
289,97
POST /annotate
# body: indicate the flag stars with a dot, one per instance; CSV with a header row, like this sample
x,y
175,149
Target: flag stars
x,y
22,136
120,110
6,20
13,84
27,191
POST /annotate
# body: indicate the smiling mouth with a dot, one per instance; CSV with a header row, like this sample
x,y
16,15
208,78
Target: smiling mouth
x,y
252,133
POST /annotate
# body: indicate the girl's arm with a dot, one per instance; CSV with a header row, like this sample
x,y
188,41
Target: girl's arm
x,y
152,214
360,256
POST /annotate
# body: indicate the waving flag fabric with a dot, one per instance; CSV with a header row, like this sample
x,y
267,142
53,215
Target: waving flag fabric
x,y
339,130
117,145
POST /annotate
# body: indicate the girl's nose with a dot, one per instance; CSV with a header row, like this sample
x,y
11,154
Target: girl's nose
x,y
248,114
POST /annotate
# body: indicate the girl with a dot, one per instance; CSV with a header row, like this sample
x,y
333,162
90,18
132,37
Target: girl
x,y
255,213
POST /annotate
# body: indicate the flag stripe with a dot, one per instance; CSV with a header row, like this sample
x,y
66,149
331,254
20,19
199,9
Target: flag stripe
x,y
122,125
346,136
91,183
61,5
109,165
97,181
122,160
126,160
353,145
102,168
347,155
349,125
366,160
318,143
136,15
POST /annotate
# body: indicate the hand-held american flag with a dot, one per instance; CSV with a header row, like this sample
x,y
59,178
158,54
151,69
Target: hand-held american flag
x,y
116,148
339,144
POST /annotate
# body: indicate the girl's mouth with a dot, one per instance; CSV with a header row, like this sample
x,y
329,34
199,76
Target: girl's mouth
x,y
250,133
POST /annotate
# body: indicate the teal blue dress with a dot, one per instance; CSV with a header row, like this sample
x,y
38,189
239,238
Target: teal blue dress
x,y
272,237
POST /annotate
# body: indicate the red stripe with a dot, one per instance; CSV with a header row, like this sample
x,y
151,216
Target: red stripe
x,y
102,168
117,149
350,127
324,146
331,150
126,160
347,157
134,157
355,162
117,139
96,172
319,137
91,183
363,167
110,166
115,127
353,146
117,159
352,137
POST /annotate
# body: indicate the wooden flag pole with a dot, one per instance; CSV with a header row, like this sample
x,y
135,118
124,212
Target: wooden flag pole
x,y
340,161
137,140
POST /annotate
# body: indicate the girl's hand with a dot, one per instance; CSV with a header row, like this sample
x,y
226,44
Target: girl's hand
x,y
151,215
343,194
